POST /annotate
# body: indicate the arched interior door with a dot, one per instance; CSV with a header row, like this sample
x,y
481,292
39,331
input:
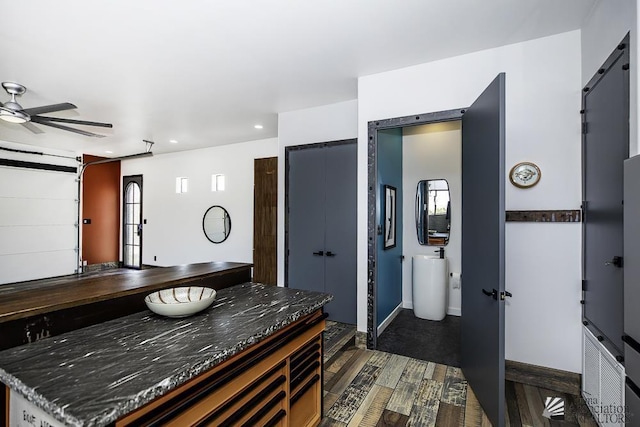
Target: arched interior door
x,y
132,221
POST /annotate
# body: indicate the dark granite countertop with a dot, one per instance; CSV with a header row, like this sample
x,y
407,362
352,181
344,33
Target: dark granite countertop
x,y
95,375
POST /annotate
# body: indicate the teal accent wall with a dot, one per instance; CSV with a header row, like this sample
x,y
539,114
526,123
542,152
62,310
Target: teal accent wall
x,y
389,265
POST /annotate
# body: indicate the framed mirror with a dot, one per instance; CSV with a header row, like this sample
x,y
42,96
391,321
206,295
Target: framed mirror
x,y
433,212
216,224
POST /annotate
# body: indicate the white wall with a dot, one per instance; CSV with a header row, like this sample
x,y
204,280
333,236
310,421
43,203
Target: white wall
x,y
432,151
543,126
332,122
173,232
38,216
602,31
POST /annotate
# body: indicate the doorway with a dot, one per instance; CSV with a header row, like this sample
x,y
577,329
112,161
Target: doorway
x,y
483,217
132,221
100,214
388,129
320,223
605,147
265,216
423,322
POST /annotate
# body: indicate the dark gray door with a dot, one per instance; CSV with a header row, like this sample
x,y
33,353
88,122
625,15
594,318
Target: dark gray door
x,y
483,215
341,231
306,218
604,149
322,232
631,288
632,250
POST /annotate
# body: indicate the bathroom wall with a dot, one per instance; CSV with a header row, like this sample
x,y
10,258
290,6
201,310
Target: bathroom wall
x,y
543,96
389,261
173,233
432,152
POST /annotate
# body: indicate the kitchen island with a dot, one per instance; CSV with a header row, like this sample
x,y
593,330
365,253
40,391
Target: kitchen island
x,y
38,309
254,357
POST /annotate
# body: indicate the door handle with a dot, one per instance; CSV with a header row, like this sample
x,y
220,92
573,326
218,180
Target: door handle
x,y
139,231
329,253
493,293
505,294
616,261
319,253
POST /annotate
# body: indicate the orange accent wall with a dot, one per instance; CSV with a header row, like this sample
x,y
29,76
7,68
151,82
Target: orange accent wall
x,y
101,204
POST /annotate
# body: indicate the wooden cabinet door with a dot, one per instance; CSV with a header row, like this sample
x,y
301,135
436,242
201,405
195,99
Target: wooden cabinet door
x,y
265,218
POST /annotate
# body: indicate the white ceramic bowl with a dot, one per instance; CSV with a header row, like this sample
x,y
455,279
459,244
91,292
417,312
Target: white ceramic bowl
x,y
180,302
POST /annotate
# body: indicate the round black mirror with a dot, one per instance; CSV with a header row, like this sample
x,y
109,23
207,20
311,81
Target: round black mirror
x,y
216,224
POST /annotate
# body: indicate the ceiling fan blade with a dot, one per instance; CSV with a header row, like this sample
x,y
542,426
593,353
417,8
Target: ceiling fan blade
x,y
67,128
74,122
31,127
49,108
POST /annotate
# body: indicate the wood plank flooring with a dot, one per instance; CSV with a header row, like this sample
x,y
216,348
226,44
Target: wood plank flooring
x,y
372,388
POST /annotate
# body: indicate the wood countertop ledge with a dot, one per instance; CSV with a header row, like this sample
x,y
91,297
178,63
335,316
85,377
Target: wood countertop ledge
x,y
25,299
95,375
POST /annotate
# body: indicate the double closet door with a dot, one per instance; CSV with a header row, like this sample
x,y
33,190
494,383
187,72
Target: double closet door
x,y
321,218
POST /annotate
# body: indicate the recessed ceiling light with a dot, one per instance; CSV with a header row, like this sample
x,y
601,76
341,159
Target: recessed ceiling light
x,y
173,141
109,152
258,126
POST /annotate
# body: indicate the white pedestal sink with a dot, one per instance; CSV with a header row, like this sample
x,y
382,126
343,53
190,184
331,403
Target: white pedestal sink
x,y
430,287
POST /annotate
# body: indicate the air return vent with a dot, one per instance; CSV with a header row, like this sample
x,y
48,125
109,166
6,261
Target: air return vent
x,y
602,382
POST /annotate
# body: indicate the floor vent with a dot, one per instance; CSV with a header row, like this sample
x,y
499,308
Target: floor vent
x,y
602,382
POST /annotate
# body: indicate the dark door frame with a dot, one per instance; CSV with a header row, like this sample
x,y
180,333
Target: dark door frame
x,y
125,181
372,168
288,150
620,55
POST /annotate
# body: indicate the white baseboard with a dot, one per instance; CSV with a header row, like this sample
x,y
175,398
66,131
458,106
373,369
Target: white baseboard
x,y
407,304
389,319
454,311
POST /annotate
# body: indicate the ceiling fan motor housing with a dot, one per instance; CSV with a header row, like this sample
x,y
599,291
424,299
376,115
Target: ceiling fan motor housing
x,y
14,88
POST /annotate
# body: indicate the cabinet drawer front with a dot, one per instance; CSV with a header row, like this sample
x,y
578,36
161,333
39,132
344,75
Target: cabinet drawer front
x,y
305,410
243,405
305,364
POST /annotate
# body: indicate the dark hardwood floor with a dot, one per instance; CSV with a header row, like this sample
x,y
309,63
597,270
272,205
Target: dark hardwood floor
x,y
375,388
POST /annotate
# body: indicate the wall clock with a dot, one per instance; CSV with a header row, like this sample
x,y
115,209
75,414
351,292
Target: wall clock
x,y
525,175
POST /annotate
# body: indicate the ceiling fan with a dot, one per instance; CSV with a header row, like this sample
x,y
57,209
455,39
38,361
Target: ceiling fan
x,y
13,112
